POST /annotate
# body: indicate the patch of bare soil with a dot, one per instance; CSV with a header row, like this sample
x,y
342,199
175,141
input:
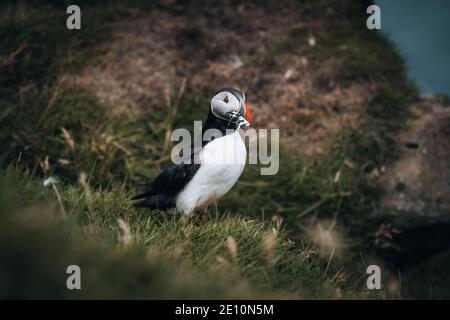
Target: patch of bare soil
x,y
245,46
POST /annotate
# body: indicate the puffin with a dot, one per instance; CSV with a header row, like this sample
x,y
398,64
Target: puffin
x,y
191,186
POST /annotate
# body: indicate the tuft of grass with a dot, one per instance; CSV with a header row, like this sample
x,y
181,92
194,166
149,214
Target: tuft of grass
x,y
332,186
71,133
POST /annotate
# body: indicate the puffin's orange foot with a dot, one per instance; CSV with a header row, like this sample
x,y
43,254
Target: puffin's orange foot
x,y
203,218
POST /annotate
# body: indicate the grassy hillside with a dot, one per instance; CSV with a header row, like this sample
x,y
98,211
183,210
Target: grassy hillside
x,y
307,232
125,253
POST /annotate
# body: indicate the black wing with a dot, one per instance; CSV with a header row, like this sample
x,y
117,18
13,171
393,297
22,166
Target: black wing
x,y
161,192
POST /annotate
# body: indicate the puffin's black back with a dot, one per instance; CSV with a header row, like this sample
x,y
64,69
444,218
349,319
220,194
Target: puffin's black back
x,y
161,193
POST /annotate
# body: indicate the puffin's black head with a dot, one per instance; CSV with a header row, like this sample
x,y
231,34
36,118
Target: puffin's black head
x,y
228,104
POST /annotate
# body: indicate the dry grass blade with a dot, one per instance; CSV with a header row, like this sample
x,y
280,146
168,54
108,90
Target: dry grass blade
x,y
268,247
232,246
126,233
69,140
82,179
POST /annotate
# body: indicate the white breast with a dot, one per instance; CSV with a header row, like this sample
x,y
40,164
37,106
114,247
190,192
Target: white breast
x,y
222,162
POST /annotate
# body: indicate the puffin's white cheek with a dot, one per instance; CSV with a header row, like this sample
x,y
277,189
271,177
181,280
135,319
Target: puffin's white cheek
x,y
219,108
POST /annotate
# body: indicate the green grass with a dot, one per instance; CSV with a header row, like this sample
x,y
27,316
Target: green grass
x,y
36,52
43,230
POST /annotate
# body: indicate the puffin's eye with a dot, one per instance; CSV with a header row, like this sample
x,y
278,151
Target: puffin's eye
x,y
225,99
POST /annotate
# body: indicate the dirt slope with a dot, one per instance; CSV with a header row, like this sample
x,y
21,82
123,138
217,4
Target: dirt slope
x,y
250,46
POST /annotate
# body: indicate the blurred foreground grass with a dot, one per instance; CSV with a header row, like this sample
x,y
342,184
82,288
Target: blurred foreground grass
x,y
141,255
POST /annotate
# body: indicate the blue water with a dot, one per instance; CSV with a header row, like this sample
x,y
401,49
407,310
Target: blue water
x,y
421,30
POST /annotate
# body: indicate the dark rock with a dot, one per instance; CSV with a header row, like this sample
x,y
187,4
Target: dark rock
x,y
417,186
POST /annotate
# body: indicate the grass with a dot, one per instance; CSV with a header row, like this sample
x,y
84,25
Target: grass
x,y
37,50
229,257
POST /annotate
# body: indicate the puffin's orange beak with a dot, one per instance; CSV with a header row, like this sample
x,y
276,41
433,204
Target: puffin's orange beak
x,y
247,114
